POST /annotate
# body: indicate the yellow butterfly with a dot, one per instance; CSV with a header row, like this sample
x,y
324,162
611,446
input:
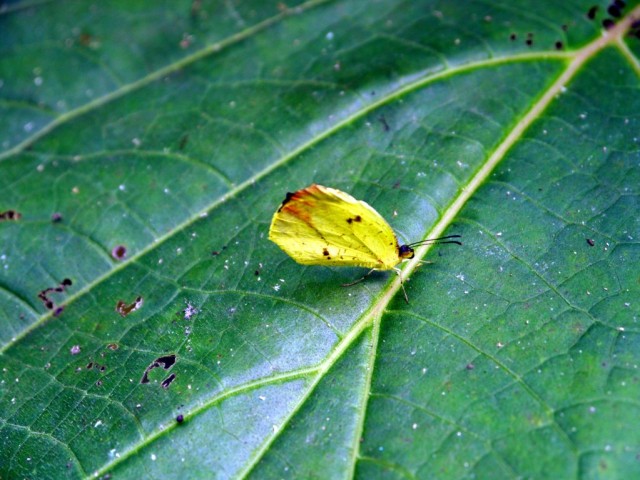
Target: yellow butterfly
x,y
325,226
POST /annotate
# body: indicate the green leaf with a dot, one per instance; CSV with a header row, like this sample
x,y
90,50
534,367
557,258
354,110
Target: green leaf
x,y
145,147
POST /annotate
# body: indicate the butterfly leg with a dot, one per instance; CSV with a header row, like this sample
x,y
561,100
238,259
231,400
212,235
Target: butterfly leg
x,y
399,272
425,262
359,280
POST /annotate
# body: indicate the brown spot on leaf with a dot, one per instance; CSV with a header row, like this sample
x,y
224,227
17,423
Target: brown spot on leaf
x,y
119,252
123,309
10,215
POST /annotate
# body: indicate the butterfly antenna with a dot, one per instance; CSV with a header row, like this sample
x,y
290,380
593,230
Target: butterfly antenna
x,y
428,241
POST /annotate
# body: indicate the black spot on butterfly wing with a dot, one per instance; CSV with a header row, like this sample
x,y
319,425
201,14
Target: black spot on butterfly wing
x,y
287,199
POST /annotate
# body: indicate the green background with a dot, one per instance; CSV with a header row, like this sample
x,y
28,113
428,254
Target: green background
x,y
175,128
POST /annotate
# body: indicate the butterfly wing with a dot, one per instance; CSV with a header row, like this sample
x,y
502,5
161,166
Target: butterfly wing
x,y
324,226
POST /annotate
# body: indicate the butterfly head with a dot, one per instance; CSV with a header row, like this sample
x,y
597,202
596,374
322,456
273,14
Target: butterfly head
x,y
405,252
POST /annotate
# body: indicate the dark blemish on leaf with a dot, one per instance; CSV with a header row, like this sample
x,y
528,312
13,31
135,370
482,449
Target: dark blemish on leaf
x,y
89,365
257,273
591,14
99,383
180,418
102,368
565,27
10,215
608,24
48,303
614,11
620,4
385,125
58,311
85,39
325,252
183,141
119,252
196,5
559,45
529,40
590,242
167,381
215,253
513,37
123,309
470,366
113,346
165,362
56,217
